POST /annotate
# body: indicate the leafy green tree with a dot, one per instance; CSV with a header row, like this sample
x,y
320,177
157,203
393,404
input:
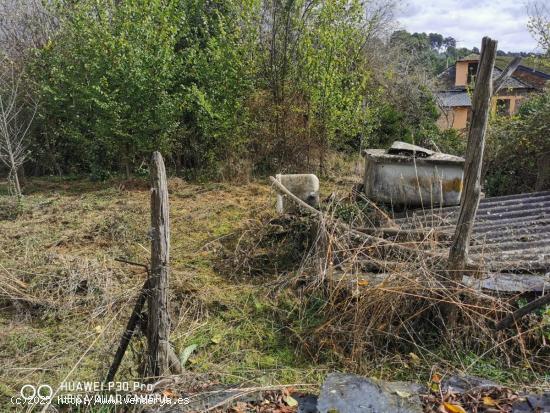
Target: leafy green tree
x,y
107,84
314,79
422,49
539,23
436,40
334,75
217,46
518,152
121,79
218,83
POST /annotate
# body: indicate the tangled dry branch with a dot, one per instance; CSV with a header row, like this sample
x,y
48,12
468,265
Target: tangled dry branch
x,y
366,293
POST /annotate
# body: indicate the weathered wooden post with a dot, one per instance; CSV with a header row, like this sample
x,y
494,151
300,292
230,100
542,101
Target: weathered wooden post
x,y
158,325
481,104
469,202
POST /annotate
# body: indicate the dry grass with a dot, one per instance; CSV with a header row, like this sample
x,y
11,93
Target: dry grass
x,y
384,296
244,289
65,300
376,303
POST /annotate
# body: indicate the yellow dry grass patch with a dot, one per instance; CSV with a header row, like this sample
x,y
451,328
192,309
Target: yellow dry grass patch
x,y
65,300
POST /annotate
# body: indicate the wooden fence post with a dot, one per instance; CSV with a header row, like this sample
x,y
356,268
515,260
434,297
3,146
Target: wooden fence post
x,y
471,192
481,104
158,325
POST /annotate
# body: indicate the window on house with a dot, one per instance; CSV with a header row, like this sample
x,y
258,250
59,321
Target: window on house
x,y
472,72
503,107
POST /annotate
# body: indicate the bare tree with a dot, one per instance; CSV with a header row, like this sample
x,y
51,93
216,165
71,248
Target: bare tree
x,y
539,23
25,25
16,117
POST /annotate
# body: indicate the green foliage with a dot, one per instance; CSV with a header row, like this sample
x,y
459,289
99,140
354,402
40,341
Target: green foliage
x,y
539,24
122,79
107,83
407,111
331,73
432,51
518,149
313,83
225,85
217,49
451,141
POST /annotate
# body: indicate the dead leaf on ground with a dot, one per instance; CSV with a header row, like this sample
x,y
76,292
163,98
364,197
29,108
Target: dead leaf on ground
x,y
414,358
291,401
453,408
168,393
436,378
489,401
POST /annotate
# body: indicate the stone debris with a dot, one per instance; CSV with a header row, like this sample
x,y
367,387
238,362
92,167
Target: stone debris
x,y
349,393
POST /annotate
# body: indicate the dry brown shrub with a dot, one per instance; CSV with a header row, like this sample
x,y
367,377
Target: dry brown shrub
x,y
368,299
375,299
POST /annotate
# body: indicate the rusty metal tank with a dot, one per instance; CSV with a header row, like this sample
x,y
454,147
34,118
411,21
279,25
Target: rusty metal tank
x,y
409,175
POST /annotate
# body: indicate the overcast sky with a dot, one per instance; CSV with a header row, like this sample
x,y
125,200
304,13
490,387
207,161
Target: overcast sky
x,y
469,20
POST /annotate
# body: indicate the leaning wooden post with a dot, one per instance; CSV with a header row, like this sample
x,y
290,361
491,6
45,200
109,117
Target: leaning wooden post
x,y
481,103
158,326
469,201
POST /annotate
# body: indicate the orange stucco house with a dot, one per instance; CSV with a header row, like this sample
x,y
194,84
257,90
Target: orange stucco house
x,y
454,88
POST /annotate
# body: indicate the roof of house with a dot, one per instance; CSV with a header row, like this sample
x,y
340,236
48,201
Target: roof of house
x,y
511,233
502,62
472,57
533,71
446,81
453,99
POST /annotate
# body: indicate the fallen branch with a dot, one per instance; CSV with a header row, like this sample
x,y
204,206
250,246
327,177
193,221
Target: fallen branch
x,y
137,264
519,313
129,331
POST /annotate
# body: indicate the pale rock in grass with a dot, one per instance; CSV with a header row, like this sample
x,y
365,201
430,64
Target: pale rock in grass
x,y
304,186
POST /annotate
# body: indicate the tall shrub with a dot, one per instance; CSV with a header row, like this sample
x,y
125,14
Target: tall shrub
x,y
217,47
121,79
313,81
518,155
107,84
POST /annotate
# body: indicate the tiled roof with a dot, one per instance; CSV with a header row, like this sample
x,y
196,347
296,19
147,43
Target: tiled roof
x,y
528,69
512,82
454,99
446,81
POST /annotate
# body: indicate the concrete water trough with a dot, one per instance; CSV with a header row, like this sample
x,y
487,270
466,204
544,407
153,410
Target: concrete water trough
x,y
409,175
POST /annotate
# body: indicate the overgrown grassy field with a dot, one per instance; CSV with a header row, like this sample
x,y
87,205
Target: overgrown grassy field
x,y
65,300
